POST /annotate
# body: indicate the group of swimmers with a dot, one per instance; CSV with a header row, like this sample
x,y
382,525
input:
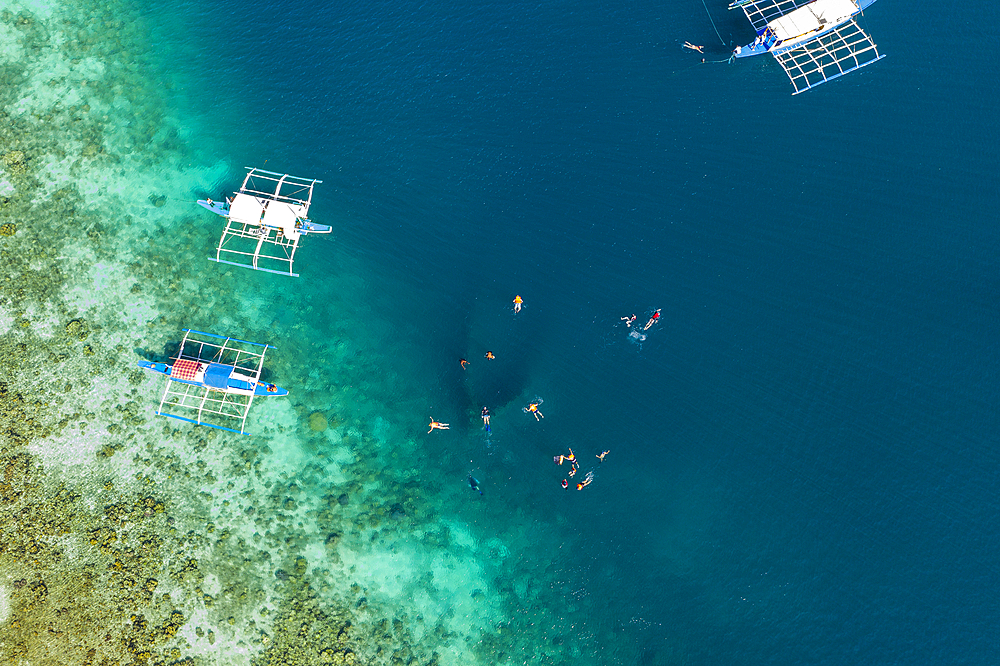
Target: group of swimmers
x,y
574,466
652,320
532,409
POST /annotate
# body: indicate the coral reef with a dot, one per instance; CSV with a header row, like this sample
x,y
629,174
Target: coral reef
x,y
127,539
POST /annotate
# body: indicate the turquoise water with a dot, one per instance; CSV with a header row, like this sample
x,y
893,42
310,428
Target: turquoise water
x,y
803,463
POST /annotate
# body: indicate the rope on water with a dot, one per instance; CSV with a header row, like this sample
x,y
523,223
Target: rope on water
x,y
713,23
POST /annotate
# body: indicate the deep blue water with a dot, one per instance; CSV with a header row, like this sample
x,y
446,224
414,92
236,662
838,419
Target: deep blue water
x,y
804,464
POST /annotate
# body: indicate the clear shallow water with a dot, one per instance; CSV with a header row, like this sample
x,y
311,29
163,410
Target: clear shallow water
x,y
803,463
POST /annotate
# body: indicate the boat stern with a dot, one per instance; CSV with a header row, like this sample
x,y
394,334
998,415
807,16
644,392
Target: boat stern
x,y
264,389
765,40
161,368
217,207
749,50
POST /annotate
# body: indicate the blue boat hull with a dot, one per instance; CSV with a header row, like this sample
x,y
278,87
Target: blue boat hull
x,y
262,389
221,208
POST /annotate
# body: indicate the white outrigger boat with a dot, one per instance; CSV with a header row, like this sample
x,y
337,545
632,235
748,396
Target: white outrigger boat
x,y
814,41
211,383
265,220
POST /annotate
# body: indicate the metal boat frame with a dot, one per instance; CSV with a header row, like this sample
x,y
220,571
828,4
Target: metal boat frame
x,y
209,406
251,239
825,51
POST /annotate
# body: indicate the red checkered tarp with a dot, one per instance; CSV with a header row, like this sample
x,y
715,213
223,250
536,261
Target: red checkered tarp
x,y
184,369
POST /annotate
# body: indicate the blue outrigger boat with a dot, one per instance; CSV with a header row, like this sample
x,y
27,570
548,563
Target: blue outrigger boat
x,y
213,383
265,220
814,41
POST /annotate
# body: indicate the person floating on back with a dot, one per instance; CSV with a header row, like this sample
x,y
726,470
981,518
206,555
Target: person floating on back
x,y
486,419
652,320
600,456
490,355
436,426
533,409
571,458
517,304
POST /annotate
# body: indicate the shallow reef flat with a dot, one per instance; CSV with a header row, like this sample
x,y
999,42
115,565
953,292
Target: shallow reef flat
x,y
330,537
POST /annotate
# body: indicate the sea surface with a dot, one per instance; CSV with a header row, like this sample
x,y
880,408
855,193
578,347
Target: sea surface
x,y
803,462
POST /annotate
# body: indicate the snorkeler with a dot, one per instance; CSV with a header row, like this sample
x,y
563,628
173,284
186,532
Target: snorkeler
x,y
628,320
586,481
462,362
533,409
565,484
436,426
517,304
486,419
490,355
571,458
474,483
652,320
693,47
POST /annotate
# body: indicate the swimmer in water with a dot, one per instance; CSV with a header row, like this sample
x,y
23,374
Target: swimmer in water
x,y
652,320
565,484
586,481
571,458
486,418
517,304
600,456
693,47
436,426
474,483
462,362
490,355
533,409
628,320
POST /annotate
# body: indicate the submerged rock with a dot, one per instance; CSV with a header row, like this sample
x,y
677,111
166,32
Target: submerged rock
x,y
318,422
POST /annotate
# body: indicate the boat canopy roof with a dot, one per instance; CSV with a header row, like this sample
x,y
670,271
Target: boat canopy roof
x,y
245,209
818,15
217,375
283,216
185,369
